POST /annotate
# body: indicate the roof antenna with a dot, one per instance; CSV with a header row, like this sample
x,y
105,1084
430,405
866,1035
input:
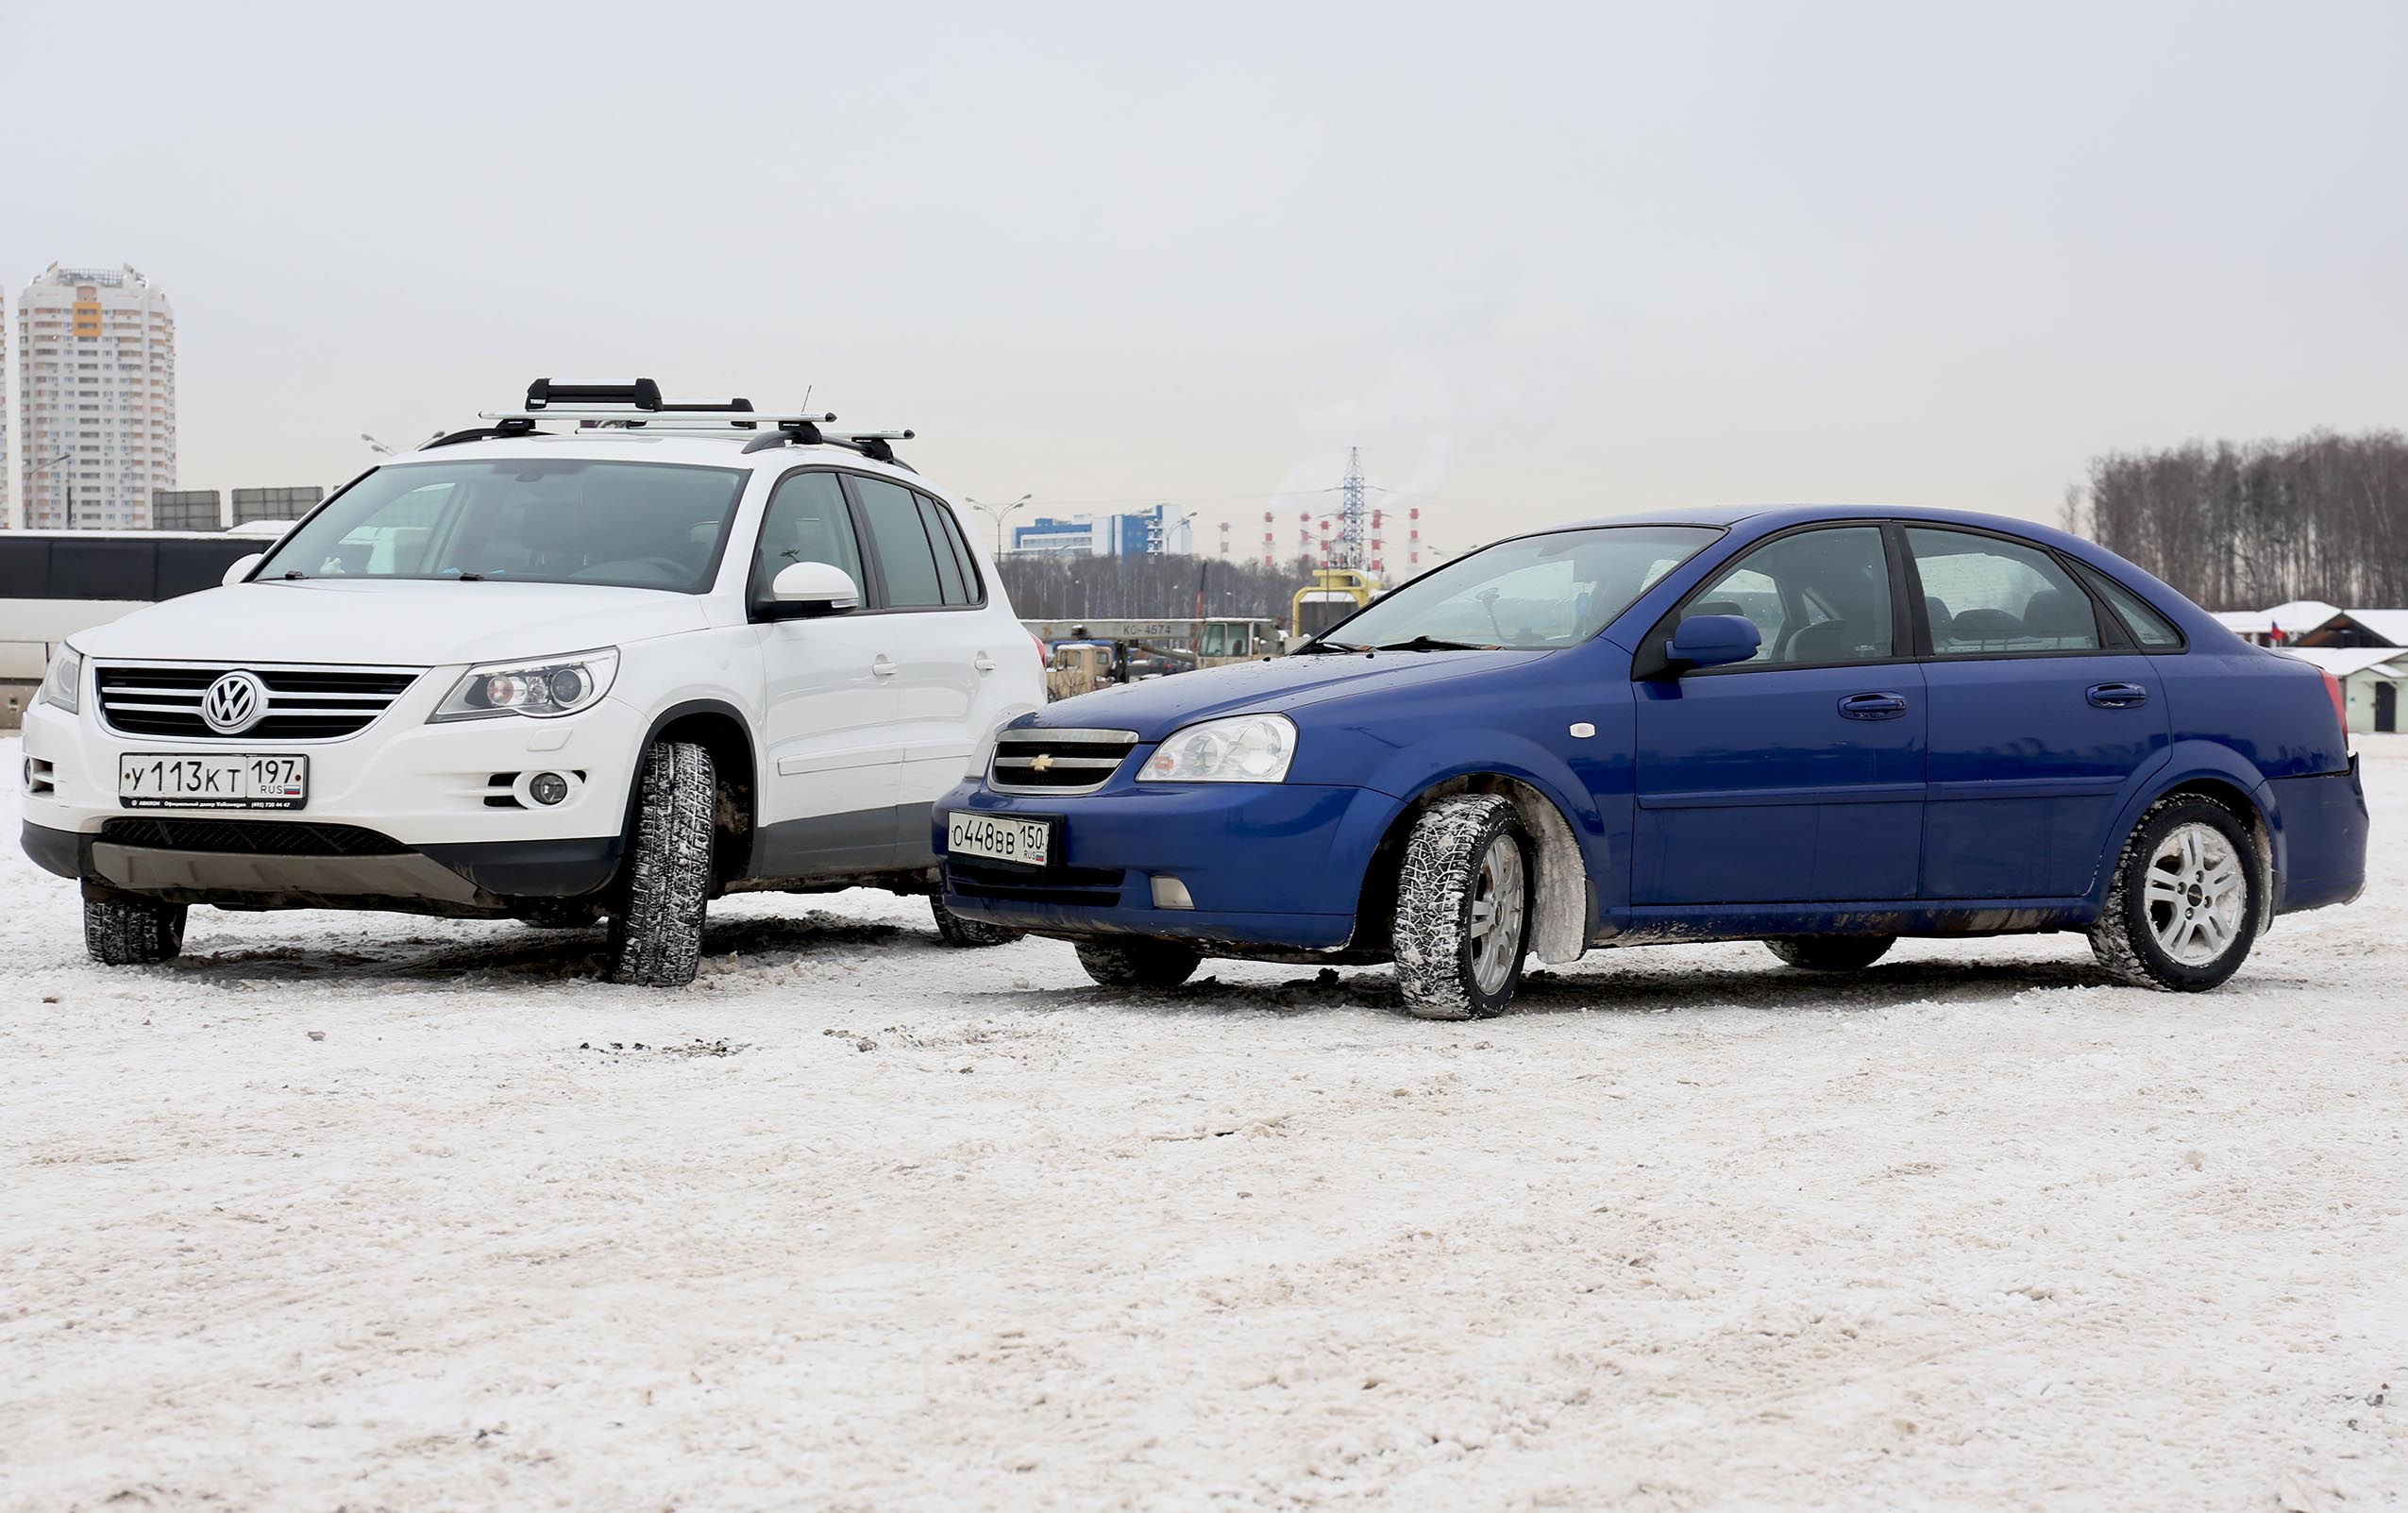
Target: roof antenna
x,y
806,394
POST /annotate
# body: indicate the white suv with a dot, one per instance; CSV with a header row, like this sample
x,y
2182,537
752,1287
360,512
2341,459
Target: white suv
x,y
668,653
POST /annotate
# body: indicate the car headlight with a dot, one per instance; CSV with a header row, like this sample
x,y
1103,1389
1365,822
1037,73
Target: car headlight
x,y
545,687
63,684
1242,749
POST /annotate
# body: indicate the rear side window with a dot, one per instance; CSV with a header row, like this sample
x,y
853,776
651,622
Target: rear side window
x,y
946,532
1985,596
906,559
2152,630
949,567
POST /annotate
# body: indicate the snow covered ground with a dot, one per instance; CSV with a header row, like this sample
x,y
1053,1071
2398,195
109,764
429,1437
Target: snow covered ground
x,y
366,1211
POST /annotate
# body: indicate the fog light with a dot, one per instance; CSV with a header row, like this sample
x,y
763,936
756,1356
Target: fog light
x,y
1170,893
547,787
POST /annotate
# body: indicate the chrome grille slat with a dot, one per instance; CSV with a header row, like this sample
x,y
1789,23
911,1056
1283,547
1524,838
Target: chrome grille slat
x,y
1062,760
311,702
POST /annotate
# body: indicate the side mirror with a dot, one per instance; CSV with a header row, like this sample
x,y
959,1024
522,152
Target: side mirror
x,y
808,590
1714,641
241,567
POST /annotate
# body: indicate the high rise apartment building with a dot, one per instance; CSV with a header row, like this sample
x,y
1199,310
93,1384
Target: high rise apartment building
x,y
96,360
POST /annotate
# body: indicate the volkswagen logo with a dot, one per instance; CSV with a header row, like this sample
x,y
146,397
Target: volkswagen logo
x,y
234,703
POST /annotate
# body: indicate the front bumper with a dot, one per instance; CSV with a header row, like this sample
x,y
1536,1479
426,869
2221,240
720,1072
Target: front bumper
x,y
1267,864
419,797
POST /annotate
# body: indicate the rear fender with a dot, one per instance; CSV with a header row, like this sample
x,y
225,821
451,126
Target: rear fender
x,y
2192,762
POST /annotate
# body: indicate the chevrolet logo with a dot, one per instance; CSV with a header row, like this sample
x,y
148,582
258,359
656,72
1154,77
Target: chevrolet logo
x,y
1043,761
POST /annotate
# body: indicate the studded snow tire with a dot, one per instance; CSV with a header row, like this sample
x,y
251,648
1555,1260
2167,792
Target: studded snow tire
x,y
2187,901
1138,962
122,930
1459,847
955,931
656,927
1830,954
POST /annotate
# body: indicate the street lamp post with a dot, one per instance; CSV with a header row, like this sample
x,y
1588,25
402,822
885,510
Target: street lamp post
x,y
998,514
381,448
70,479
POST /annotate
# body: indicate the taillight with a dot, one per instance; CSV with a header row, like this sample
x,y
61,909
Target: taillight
x,y
2340,702
1044,658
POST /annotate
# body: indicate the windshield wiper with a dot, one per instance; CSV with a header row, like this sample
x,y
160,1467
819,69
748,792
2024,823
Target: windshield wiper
x,y
1431,643
293,577
1316,648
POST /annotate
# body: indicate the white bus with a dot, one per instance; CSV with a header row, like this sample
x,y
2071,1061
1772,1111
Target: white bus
x,y
54,584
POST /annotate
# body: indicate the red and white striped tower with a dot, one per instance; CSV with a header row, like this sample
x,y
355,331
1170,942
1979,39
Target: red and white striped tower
x,y
1225,538
1413,538
1270,552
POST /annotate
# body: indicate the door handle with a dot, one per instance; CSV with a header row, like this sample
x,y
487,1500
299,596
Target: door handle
x,y
2117,696
1873,706
882,667
982,662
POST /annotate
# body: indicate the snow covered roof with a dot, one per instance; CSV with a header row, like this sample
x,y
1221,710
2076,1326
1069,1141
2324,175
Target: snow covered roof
x,y
2392,625
2294,617
2343,662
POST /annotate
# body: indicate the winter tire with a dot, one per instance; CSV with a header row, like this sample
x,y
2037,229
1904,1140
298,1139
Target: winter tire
x,y
2187,899
1463,909
656,931
121,930
1830,954
955,931
1138,962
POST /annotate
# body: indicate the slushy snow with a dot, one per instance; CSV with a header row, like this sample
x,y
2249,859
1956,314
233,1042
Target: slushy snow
x,y
367,1212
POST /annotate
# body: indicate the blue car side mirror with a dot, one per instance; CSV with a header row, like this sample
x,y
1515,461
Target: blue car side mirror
x,y
1714,641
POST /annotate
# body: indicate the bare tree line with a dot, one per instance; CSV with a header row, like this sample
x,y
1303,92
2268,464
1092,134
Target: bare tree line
x,y
1061,586
2257,524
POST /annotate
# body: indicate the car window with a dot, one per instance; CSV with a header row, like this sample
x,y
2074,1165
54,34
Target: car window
x,y
550,520
972,584
806,522
1817,596
2152,630
948,566
1551,590
1984,596
906,561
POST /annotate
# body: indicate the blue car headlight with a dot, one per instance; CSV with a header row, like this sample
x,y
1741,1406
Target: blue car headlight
x,y
1241,748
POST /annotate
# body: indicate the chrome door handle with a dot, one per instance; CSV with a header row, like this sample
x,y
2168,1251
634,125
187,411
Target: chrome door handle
x,y
883,667
982,662
1873,706
2116,696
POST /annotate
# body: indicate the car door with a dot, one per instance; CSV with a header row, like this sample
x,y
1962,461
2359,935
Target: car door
x,y
943,646
1795,776
831,760
2040,716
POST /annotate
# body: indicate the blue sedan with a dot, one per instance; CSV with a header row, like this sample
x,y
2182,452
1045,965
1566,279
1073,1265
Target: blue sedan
x,y
1820,727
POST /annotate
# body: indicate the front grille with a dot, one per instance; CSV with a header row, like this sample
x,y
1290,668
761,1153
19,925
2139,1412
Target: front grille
x,y
1058,761
249,836
1096,885
301,704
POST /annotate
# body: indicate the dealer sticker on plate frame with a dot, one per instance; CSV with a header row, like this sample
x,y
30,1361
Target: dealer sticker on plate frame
x,y
179,780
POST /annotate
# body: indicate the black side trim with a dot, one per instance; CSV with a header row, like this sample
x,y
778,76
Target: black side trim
x,y
533,870
864,838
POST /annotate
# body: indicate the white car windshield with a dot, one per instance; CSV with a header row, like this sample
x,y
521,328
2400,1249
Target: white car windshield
x,y
1555,590
634,525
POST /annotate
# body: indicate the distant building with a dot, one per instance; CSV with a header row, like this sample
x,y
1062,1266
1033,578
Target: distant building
x,y
274,504
186,510
1138,533
96,360
7,515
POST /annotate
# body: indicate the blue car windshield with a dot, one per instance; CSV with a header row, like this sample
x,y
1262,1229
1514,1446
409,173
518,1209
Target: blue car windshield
x,y
1555,590
631,525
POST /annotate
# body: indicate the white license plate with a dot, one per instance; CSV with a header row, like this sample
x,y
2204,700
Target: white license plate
x,y
999,838
161,780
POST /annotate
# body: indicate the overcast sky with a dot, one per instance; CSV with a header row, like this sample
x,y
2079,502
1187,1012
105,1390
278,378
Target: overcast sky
x,y
1540,261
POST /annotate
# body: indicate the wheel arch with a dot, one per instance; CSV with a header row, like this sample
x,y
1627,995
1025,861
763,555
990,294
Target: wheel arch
x,y
720,730
2221,775
1562,913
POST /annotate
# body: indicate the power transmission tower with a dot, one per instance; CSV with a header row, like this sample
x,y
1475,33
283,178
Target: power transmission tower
x,y
1353,537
